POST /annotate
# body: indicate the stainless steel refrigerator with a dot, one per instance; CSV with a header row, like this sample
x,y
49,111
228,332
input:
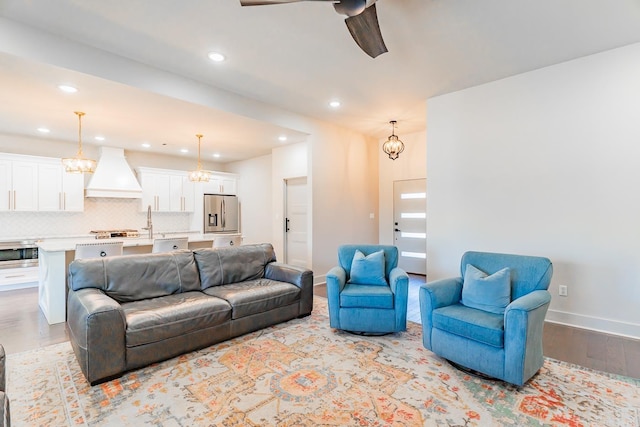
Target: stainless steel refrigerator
x,y
221,214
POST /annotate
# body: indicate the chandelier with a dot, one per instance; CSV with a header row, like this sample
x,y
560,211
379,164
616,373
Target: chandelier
x,y
79,164
393,146
199,175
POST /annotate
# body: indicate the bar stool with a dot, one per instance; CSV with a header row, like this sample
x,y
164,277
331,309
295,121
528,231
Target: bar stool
x,y
226,241
170,244
97,250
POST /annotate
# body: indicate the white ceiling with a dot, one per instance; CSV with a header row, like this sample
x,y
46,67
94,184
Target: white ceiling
x,y
297,57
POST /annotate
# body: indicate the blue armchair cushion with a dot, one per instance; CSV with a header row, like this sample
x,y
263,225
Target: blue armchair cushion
x,y
489,293
368,270
476,325
366,296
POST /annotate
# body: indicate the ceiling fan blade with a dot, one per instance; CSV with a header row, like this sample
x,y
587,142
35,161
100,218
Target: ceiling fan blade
x,y
365,30
267,2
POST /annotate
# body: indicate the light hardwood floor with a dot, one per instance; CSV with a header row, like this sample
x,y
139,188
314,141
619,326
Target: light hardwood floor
x,y
23,327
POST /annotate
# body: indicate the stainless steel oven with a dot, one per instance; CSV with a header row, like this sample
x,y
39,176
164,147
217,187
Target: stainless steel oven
x,y
18,254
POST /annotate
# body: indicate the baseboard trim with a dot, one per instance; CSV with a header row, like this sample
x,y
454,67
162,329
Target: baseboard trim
x,y
319,280
598,324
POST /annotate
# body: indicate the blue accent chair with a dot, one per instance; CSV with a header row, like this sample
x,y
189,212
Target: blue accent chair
x,y
363,308
508,346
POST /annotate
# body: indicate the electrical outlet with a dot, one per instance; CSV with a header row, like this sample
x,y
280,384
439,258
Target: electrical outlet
x,y
563,291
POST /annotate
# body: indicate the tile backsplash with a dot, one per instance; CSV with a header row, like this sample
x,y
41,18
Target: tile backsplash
x,y
99,214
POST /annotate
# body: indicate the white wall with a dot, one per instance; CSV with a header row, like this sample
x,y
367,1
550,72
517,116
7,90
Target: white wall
x,y
412,164
345,190
546,163
254,194
291,161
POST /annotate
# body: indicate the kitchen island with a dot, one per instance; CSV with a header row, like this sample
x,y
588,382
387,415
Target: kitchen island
x,y
55,255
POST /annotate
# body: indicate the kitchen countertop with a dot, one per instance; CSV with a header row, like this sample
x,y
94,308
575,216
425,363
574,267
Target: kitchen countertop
x,y
57,244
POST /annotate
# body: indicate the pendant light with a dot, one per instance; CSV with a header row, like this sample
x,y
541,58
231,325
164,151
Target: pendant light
x,y
393,146
199,175
79,164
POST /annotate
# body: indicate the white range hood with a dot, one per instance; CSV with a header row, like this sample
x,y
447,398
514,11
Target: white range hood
x,y
113,177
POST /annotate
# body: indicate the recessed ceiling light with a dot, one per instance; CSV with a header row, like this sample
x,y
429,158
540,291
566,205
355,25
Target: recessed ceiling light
x,y
184,150
216,155
43,130
99,138
334,104
282,138
146,145
67,88
216,57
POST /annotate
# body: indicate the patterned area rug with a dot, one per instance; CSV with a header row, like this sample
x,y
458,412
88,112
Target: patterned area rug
x,y
303,373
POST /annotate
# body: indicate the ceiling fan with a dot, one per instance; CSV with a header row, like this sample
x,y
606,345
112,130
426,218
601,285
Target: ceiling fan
x,y
362,21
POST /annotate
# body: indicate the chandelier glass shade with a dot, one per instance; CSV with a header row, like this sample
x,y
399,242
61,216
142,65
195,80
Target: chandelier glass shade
x,y
79,164
199,175
393,146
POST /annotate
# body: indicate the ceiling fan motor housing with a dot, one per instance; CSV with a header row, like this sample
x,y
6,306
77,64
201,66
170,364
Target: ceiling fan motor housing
x,y
352,7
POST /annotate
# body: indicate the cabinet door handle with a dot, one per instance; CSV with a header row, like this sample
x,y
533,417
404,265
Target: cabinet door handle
x,y
9,199
13,276
64,201
14,199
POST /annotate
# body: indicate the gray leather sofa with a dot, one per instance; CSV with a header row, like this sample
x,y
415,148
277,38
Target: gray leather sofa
x,y
5,417
126,312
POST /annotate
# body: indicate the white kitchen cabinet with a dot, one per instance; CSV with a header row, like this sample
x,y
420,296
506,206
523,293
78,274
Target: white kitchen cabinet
x,y
19,186
59,190
5,185
72,191
20,277
182,193
155,190
221,184
166,190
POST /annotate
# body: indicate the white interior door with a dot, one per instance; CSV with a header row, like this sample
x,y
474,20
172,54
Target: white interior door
x,y
410,224
295,224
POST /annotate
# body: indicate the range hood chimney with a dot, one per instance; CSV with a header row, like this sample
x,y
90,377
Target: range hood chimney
x,y
113,177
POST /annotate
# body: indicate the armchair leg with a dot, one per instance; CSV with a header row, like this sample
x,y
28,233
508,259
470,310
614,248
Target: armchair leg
x,y
472,372
367,334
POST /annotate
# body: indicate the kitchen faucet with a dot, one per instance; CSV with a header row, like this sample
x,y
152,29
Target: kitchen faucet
x,y
149,223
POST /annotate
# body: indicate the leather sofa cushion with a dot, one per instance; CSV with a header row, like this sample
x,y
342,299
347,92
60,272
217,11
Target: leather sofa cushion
x,y
366,296
222,266
256,296
137,277
477,325
157,319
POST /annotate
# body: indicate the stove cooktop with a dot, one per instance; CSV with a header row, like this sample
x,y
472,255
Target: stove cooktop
x,y
110,234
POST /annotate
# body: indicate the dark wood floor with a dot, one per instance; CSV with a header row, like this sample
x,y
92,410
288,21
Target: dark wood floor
x,y
23,327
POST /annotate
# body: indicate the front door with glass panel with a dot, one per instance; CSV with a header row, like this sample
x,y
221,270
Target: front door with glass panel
x,y
410,224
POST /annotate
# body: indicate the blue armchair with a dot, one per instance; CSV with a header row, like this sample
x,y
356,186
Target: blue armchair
x,y
506,346
369,298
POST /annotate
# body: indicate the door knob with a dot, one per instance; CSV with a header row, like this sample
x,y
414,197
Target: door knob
x,y
396,229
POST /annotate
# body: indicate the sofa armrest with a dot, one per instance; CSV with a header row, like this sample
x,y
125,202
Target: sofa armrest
x,y
301,277
96,326
523,326
436,294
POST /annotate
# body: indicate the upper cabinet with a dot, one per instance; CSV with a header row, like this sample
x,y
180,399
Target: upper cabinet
x,y
31,183
221,183
166,190
59,190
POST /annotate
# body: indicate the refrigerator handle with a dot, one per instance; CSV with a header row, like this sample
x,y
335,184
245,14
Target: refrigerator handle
x,y
224,213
